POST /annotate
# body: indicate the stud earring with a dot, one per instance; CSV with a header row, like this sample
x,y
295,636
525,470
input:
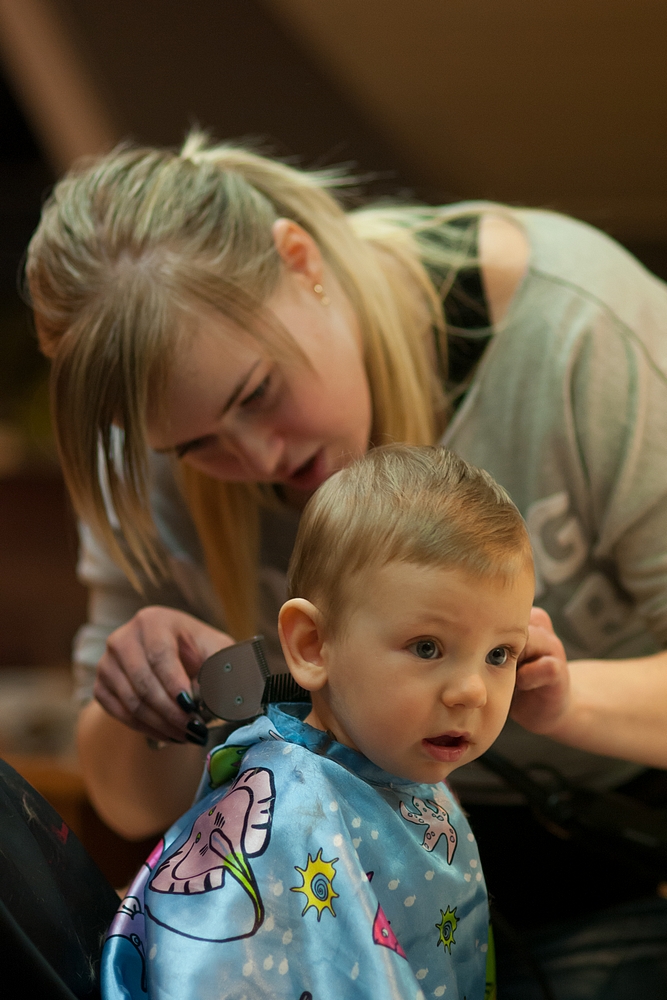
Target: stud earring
x,y
323,297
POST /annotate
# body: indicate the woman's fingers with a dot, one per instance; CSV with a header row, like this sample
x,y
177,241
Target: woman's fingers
x,y
142,672
543,679
114,707
544,671
542,640
120,701
137,662
115,693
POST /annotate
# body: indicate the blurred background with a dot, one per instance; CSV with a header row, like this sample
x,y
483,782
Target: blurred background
x,y
558,104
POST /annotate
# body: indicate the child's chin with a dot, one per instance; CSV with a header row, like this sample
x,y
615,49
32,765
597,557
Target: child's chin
x,y
430,773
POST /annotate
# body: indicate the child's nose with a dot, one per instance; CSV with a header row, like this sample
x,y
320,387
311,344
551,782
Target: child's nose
x,y
467,690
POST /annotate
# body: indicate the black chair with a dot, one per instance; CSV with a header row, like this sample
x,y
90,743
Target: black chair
x,y
55,904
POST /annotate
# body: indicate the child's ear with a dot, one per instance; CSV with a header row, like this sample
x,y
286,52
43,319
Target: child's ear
x,y
300,629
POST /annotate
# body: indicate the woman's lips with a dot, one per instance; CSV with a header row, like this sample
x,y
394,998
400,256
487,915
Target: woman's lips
x,y
448,747
311,474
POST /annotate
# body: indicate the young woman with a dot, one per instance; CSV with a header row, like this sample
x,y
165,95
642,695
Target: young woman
x,y
224,337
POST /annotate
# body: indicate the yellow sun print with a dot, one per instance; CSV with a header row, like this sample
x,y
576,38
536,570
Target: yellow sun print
x,y
317,878
446,929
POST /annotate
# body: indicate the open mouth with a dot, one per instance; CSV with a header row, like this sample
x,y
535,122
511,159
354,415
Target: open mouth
x,y
305,468
309,475
447,741
447,748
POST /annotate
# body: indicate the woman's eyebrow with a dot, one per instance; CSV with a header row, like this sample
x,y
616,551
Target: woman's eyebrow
x,y
242,383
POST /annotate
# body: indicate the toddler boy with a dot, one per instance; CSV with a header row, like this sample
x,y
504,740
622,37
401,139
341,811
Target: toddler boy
x,y
336,864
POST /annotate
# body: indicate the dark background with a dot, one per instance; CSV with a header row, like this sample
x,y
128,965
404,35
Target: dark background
x,y
559,104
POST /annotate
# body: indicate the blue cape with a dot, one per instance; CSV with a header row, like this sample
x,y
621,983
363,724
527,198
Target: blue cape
x,y
304,872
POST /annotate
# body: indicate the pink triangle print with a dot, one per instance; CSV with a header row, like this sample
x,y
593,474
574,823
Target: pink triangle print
x,y
383,934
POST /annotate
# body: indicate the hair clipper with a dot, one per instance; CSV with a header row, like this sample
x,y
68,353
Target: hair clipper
x,y
235,684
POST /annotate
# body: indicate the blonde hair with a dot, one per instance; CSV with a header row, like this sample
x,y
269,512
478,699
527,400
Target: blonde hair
x,y
399,503
131,245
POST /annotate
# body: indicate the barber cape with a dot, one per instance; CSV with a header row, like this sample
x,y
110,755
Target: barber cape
x,y
305,872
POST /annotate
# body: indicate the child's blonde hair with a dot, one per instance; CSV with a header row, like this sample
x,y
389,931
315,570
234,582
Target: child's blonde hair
x,y
399,503
131,245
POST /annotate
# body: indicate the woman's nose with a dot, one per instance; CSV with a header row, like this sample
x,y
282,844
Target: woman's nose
x,y
261,452
466,689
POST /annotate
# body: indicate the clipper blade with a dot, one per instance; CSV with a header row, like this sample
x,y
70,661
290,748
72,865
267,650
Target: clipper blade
x,y
232,681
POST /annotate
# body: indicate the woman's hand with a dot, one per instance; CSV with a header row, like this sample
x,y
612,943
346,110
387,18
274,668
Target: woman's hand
x,y
542,693
148,662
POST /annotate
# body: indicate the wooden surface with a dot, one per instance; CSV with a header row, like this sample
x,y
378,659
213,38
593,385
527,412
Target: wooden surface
x,y
41,602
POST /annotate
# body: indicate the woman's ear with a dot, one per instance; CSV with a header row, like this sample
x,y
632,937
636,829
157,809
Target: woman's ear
x,y
298,250
300,629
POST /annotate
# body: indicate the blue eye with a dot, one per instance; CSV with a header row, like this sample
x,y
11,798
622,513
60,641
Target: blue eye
x,y
425,649
498,656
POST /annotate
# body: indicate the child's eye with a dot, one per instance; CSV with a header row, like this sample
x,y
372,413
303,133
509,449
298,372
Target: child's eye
x,y
257,393
425,649
498,656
